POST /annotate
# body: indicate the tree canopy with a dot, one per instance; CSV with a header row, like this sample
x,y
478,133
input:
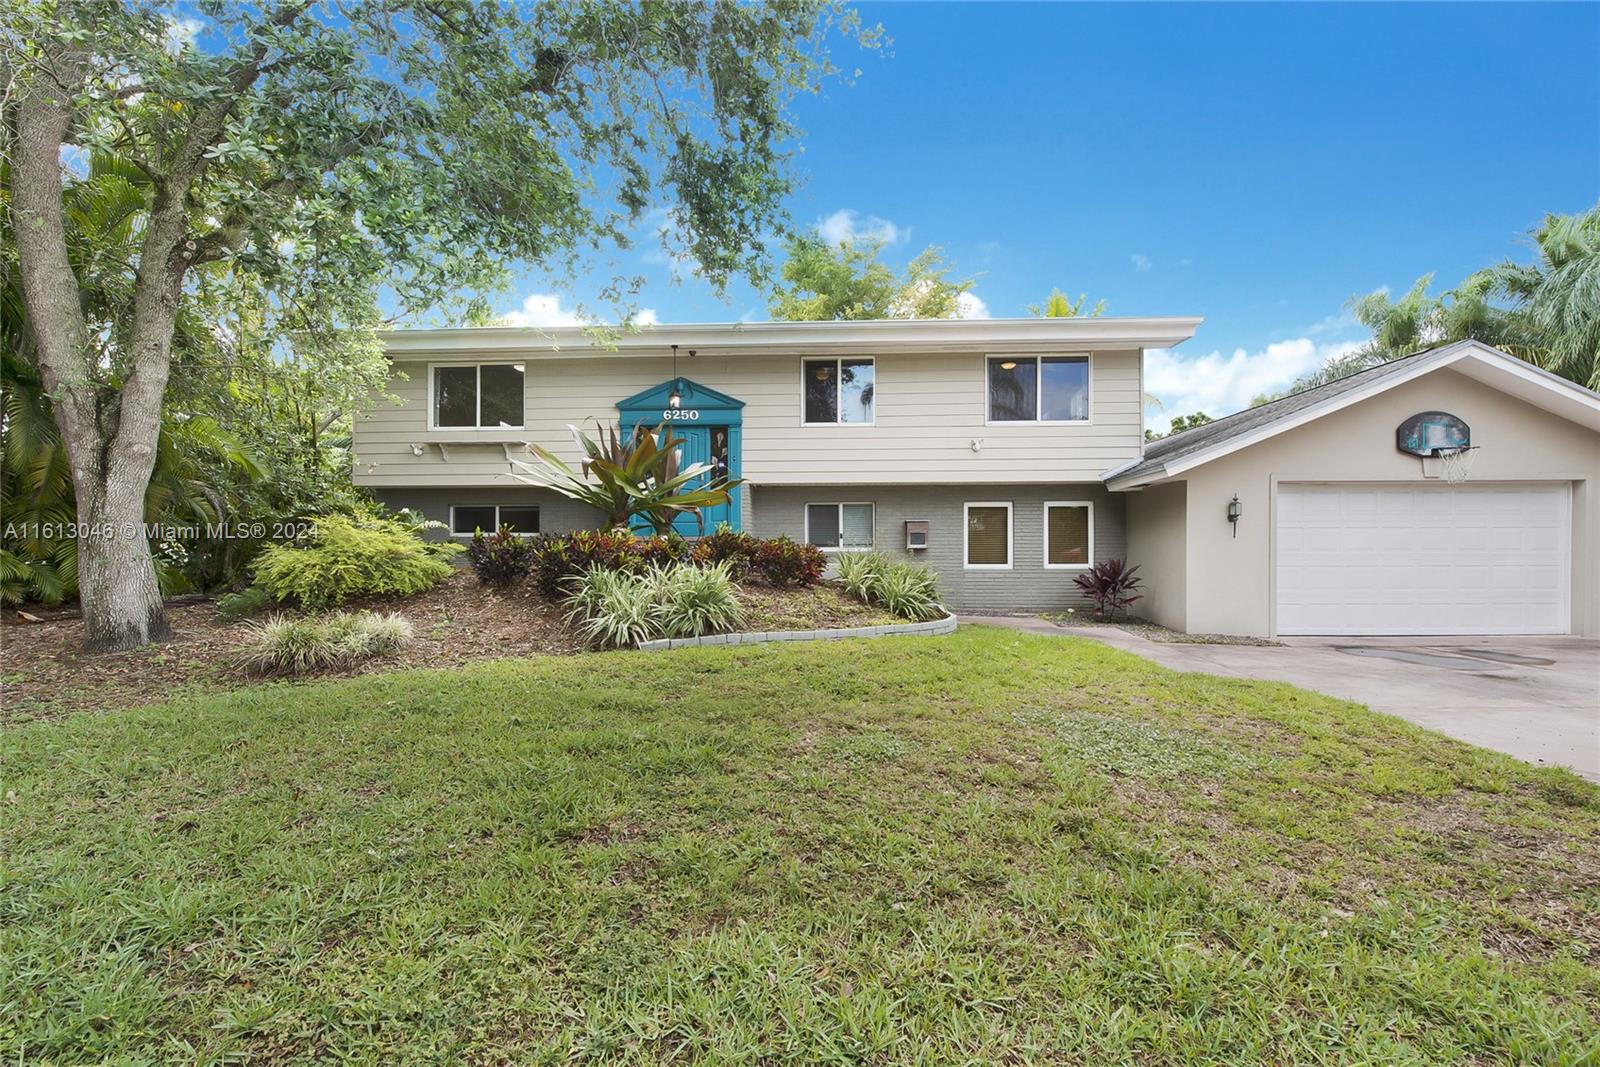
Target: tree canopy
x,y
1546,312
820,281
297,160
1059,305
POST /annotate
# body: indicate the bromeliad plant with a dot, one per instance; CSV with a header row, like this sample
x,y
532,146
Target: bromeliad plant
x,y
634,476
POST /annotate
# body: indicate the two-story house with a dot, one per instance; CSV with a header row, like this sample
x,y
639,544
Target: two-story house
x,y
1009,454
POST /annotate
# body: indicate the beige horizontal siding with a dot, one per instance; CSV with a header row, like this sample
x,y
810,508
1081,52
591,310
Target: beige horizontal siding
x,y
930,409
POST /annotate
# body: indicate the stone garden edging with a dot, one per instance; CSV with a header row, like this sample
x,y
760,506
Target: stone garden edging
x,y
915,629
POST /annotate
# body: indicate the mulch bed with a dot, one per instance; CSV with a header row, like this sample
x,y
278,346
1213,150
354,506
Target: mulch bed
x,y
45,674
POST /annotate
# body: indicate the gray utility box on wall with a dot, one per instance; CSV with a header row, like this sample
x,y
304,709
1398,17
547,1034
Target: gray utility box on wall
x,y
917,534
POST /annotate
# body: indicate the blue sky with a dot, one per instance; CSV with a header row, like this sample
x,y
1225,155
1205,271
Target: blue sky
x,y
1253,164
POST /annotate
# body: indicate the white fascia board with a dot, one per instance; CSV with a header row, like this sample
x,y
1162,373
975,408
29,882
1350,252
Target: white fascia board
x,y
884,335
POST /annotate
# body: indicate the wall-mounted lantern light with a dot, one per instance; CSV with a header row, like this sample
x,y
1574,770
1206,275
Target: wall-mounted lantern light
x,y
1234,511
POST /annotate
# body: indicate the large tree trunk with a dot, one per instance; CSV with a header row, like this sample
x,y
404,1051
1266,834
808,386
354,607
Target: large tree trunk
x,y
110,437
117,585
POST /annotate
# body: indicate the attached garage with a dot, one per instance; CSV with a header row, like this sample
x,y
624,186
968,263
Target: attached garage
x,y
1331,513
1423,559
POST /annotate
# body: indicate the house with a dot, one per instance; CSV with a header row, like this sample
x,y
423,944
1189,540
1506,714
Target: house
x,y
1009,454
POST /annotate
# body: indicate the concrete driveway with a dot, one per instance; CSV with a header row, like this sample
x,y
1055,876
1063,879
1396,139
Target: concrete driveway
x,y
1536,698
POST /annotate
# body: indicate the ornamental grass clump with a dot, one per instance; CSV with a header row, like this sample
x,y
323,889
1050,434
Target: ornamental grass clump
x,y
622,609
691,601
284,645
904,589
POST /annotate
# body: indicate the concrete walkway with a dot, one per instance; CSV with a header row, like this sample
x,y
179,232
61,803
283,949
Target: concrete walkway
x,y
1536,698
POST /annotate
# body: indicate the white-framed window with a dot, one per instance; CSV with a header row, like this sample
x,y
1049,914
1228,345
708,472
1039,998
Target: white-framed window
x,y
838,391
475,396
468,519
986,535
840,527
1068,534
1051,389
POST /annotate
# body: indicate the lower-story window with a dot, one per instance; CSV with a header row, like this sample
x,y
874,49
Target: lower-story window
x,y
986,540
468,519
1068,533
839,525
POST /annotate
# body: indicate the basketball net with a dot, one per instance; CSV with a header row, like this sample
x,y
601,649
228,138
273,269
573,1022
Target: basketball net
x,y
1455,464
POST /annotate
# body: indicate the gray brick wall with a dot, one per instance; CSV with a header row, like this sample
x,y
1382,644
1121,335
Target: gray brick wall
x,y
1027,586
774,510
557,514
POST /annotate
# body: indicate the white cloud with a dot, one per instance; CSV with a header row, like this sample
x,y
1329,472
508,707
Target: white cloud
x,y
180,33
970,306
541,309
1141,261
647,317
1220,384
1333,324
846,226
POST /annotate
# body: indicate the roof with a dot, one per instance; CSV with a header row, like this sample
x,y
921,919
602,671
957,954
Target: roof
x,y
880,335
1172,455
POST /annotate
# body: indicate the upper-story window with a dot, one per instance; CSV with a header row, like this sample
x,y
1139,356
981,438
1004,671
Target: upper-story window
x,y
476,396
836,391
1038,388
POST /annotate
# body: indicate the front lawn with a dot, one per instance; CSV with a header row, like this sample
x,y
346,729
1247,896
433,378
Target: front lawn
x,y
990,847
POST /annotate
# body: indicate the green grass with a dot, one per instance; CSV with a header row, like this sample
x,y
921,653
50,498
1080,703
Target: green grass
x,y
986,848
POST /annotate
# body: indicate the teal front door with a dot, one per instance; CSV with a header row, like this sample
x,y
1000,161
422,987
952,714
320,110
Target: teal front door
x,y
707,445
710,425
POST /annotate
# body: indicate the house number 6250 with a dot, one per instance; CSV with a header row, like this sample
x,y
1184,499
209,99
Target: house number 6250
x,y
680,414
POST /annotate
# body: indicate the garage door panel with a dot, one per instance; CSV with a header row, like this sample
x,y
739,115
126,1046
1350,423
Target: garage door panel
x,y
1433,559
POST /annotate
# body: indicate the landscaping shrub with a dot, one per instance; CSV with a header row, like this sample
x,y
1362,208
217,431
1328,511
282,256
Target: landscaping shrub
x,y
243,604
782,561
289,646
616,608
910,592
736,548
905,589
691,600
351,557
611,608
858,573
1110,584
559,557
501,559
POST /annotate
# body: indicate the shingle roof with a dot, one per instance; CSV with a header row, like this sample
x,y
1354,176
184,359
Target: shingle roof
x,y
1157,454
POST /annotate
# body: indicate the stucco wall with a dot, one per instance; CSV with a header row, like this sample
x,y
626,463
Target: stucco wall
x,y
930,407
1158,544
1027,586
1230,586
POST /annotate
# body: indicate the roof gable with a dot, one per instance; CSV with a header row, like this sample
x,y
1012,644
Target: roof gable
x,y
1173,455
694,395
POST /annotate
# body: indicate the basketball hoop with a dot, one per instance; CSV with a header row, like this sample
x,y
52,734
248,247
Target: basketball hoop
x,y
1455,464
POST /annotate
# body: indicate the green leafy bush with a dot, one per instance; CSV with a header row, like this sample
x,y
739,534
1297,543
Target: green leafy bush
x,y
289,646
619,609
243,604
782,561
353,557
726,545
905,589
501,559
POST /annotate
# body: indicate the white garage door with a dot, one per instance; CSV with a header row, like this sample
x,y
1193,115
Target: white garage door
x,y
1435,559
